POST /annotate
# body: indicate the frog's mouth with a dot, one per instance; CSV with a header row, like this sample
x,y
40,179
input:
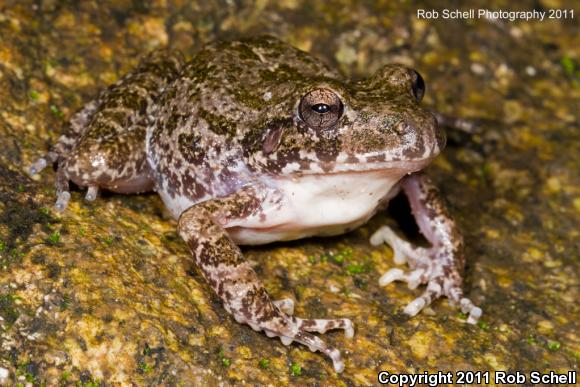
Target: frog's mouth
x,y
394,166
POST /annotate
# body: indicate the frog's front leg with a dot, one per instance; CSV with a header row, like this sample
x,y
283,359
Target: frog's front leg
x,y
439,266
204,228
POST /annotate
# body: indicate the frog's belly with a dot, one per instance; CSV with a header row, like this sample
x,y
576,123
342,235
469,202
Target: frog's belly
x,y
317,205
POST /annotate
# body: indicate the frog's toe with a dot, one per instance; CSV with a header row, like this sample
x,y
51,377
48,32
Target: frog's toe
x,y
323,325
42,163
62,200
414,278
286,305
62,188
402,250
438,285
294,329
473,312
433,291
452,290
37,166
313,343
92,193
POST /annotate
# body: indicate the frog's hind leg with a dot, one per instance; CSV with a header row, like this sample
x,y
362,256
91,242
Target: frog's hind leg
x,y
62,188
204,228
439,266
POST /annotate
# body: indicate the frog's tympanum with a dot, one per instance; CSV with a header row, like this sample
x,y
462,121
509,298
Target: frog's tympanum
x,y
253,142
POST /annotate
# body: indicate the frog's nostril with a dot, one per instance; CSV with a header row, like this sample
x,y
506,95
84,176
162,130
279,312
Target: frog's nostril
x,y
403,127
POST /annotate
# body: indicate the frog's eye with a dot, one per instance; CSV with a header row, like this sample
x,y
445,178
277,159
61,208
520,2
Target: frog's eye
x,y
320,109
418,86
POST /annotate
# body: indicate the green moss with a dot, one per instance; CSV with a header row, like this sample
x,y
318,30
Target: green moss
x,y
483,325
145,368
34,95
108,240
553,345
54,238
226,362
65,376
27,370
56,111
264,363
90,383
147,350
568,65
295,370
356,268
65,302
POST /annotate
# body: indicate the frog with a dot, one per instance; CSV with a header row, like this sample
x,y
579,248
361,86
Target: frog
x,y
254,141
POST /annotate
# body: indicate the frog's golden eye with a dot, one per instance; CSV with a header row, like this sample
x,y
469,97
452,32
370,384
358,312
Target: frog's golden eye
x,y
320,109
418,86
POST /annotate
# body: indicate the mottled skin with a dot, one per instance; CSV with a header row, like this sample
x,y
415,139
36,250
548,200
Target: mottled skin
x,y
254,141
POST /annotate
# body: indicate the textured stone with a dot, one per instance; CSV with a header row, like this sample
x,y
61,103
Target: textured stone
x,y
104,292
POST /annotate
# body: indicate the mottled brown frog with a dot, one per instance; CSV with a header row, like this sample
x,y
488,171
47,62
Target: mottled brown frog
x,y
255,141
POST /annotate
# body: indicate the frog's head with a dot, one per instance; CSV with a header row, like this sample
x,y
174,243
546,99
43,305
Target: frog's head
x,y
330,126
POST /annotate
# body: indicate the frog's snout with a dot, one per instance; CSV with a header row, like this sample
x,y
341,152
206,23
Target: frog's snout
x,y
420,136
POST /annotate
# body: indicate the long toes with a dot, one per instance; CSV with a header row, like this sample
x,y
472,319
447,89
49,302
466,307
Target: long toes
x,y
92,193
474,312
386,235
414,278
323,325
289,334
391,276
290,329
378,237
42,163
433,291
62,201
62,187
455,296
314,343
37,166
286,305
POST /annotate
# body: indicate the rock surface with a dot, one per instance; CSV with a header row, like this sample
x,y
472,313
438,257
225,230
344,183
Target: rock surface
x,y
104,293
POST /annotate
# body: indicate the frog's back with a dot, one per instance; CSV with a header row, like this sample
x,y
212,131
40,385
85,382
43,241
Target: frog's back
x,y
208,118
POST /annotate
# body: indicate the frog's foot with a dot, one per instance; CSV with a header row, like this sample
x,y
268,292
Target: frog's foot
x,y
432,266
62,178
92,193
286,305
62,187
48,159
288,328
